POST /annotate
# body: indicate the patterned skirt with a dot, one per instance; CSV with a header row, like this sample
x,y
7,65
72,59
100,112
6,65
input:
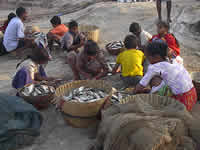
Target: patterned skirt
x,y
189,99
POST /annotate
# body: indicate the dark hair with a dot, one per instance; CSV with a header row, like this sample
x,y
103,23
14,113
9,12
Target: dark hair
x,y
38,55
55,20
91,48
157,48
73,24
167,26
134,28
20,11
10,16
130,41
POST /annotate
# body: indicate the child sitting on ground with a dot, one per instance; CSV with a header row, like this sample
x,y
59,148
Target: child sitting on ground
x,y
131,61
30,70
175,76
164,36
89,63
57,33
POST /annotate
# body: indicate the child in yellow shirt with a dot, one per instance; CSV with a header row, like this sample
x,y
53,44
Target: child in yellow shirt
x,y
131,61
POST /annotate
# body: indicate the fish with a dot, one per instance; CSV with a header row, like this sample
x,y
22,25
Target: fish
x,y
37,90
102,94
29,89
45,88
25,94
52,89
85,94
34,94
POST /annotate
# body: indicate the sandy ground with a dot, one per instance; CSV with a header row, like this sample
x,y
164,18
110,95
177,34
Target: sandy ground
x,y
113,20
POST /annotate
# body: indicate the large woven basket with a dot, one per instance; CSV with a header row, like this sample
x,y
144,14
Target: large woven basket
x,y
149,104
196,81
91,31
79,114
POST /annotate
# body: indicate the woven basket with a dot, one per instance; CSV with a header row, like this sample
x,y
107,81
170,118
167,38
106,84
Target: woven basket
x,y
79,114
196,81
91,31
114,52
40,102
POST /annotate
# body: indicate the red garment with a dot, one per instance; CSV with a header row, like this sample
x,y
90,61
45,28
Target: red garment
x,y
3,28
189,98
171,42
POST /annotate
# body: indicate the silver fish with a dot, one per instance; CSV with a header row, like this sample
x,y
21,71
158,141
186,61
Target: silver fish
x,y
45,88
34,94
66,98
77,98
102,94
115,97
37,90
29,89
52,89
25,94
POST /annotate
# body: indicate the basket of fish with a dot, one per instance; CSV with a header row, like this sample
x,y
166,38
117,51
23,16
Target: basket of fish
x,y
38,95
196,81
82,101
114,48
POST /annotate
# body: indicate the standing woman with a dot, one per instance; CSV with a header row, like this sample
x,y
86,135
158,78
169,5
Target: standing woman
x,y
169,6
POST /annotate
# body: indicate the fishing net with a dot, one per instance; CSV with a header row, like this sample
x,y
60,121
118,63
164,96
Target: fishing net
x,y
146,122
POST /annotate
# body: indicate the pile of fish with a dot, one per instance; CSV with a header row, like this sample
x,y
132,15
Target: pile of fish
x,y
85,94
115,45
37,90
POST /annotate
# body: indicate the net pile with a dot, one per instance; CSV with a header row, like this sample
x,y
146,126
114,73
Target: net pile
x,y
147,122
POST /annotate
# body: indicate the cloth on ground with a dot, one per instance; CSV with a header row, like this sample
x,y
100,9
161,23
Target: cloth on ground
x,y
20,122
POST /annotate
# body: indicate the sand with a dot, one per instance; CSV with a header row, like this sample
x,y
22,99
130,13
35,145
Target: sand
x,y
113,19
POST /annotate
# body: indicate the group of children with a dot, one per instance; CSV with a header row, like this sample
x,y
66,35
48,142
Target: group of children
x,y
165,75
146,61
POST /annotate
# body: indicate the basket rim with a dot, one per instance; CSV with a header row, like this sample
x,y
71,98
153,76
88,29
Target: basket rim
x,y
85,82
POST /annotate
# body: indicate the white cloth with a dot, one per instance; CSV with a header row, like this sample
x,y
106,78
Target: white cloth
x,y
173,75
32,67
14,32
145,37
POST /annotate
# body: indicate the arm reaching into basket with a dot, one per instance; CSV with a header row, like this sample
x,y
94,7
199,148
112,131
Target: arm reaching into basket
x,y
90,63
30,69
